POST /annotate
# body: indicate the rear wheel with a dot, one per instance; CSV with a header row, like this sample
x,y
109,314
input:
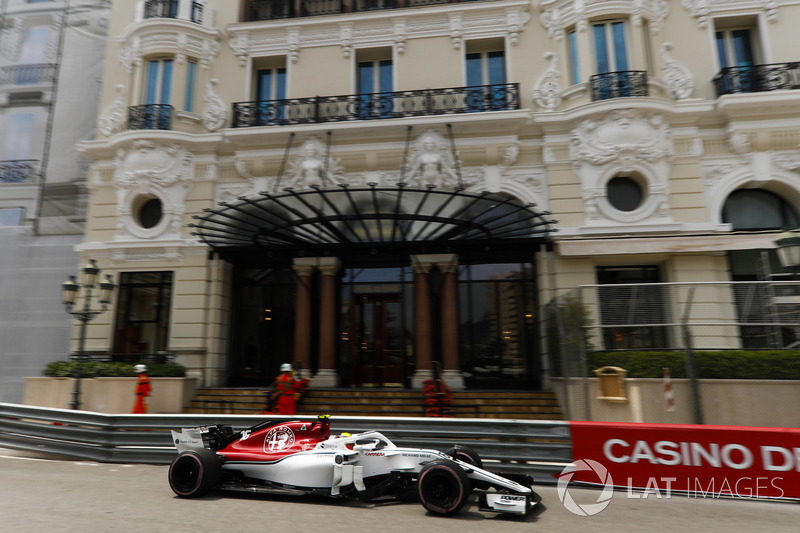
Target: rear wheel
x,y
194,473
443,487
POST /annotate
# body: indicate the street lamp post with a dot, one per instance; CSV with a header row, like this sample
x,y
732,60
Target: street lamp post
x,y
69,295
788,248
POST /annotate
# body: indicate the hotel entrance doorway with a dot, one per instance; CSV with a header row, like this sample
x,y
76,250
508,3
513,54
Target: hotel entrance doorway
x,y
377,344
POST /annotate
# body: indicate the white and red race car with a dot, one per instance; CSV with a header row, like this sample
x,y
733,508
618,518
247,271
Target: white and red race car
x,y
302,457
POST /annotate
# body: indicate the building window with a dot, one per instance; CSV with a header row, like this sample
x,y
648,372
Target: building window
x,y
11,216
33,51
375,84
625,193
610,48
486,76
191,73
150,213
271,93
159,81
17,145
497,321
734,48
142,320
486,68
574,63
757,209
632,306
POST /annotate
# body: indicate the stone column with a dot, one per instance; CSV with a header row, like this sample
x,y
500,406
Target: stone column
x,y
451,365
302,316
327,375
422,334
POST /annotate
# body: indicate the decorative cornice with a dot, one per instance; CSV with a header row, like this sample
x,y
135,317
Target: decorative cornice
x,y
504,18
703,10
183,40
558,15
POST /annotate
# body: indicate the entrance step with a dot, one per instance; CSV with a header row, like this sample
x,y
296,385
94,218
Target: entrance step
x,y
383,402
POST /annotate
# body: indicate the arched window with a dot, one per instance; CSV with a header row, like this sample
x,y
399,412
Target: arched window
x,y
757,209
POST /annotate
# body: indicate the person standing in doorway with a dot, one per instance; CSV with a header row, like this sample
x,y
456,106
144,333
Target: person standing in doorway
x,y
142,390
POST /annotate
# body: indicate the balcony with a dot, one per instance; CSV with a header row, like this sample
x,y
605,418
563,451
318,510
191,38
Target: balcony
x,y
28,74
757,78
283,9
18,171
150,117
174,9
399,104
618,84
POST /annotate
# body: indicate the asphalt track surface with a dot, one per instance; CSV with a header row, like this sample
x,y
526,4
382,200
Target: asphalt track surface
x,y
43,494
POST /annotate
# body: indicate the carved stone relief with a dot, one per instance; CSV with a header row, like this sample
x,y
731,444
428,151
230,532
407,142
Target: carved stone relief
x,y
113,118
679,82
625,142
310,168
547,91
147,170
214,112
431,162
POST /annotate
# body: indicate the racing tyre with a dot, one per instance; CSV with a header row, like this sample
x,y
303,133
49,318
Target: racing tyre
x,y
465,454
443,487
194,473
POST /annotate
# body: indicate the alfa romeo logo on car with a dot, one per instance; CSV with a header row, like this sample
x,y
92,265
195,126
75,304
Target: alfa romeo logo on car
x,y
586,509
278,439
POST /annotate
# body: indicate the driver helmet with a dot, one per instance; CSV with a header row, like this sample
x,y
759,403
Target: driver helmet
x,y
139,369
286,367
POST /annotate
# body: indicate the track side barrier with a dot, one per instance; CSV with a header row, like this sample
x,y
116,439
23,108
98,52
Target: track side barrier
x,y
701,461
537,448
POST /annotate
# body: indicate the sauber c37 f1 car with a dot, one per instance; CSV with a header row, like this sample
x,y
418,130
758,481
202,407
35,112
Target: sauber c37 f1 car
x,y
302,457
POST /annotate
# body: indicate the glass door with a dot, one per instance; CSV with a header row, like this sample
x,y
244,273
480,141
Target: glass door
x,y
377,342
375,82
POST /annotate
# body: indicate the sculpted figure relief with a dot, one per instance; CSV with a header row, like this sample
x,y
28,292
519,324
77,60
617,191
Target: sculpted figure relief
x,y
431,164
309,167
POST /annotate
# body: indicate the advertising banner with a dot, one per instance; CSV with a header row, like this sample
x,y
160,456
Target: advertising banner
x,y
747,462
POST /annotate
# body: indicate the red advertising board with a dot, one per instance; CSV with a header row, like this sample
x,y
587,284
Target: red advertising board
x,y
753,462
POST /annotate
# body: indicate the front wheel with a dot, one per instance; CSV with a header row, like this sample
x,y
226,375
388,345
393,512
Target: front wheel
x,y
466,455
194,473
443,487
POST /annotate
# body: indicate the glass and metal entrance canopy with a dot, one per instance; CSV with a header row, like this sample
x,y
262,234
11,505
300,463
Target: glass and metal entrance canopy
x,y
346,220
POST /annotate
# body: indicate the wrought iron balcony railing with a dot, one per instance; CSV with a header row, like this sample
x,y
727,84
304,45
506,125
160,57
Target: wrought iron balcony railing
x,y
282,9
28,74
618,84
18,171
757,78
171,9
398,104
150,117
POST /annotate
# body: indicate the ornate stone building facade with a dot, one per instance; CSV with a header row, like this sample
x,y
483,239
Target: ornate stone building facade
x,y
375,190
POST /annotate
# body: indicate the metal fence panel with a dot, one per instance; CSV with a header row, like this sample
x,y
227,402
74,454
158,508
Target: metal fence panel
x,y
736,315
538,448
